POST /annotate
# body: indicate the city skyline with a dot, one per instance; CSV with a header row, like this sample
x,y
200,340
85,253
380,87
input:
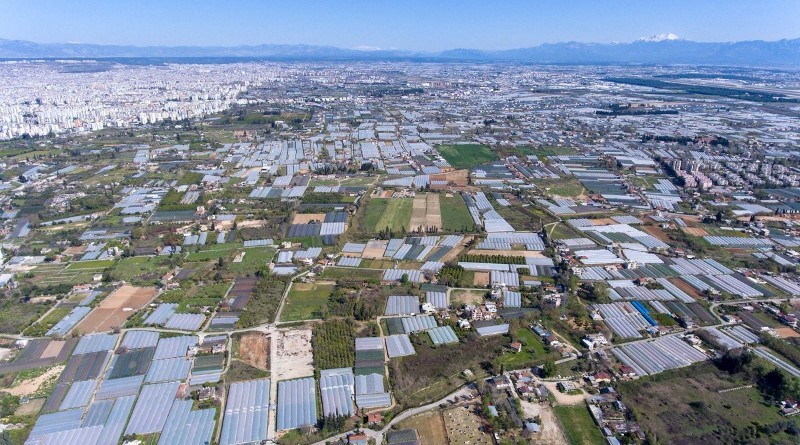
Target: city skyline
x,y
412,26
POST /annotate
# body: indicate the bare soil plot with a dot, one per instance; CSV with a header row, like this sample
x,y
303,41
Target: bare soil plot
x,y
116,308
293,355
551,433
786,332
31,408
481,279
684,286
418,209
430,427
467,296
696,231
456,251
657,232
53,349
305,218
30,386
604,222
254,350
375,249
433,213
464,426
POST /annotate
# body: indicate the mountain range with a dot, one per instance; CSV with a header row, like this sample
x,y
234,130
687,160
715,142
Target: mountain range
x,y
659,49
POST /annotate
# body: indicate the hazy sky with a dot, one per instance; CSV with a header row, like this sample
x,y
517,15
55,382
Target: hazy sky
x,y
428,25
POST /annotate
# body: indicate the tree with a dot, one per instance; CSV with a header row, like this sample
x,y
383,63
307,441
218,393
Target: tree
x,y
549,369
404,278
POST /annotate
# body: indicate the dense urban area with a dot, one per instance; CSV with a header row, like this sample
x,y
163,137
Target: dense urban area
x,y
398,253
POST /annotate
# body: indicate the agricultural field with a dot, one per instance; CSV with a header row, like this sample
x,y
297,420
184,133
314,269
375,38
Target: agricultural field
x,y
140,269
334,344
455,216
254,259
562,188
111,312
306,301
533,350
578,425
392,213
466,155
430,427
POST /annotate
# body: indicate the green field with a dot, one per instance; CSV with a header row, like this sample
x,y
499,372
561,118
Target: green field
x,y
306,300
455,216
466,155
97,265
131,268
392,213
564,188
578,425
533,351
254,259
351,273
373,212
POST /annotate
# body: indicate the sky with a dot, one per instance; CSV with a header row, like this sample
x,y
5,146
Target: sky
x,y
430,25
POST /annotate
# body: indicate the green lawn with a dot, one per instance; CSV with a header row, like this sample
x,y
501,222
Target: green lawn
x,y
455,216
579,426
305,301
466,155
396,216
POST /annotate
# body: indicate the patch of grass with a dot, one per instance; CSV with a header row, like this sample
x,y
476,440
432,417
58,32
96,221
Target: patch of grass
x,y
579,427
240,371
132,268
16,315
373,212
392,213
305,301
565,187
254,259
684,406
455,216
41,328
350,273
466,155
97,265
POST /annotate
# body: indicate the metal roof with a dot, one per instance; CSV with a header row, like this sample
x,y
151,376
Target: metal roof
x,y
414,276
186,426
168,370
139,339
126,386
76,436
55,422
297,403
347,261
443,335
366,401
96,342
369,343
78,395
493,330
246,413
69,321
152,408
186,322
418,324
336,390
402,304
161,314
512,299
399,345
116,420
174,347
439,300
369,384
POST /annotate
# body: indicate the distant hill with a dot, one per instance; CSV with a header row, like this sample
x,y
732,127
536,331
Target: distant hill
x,y
661,49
